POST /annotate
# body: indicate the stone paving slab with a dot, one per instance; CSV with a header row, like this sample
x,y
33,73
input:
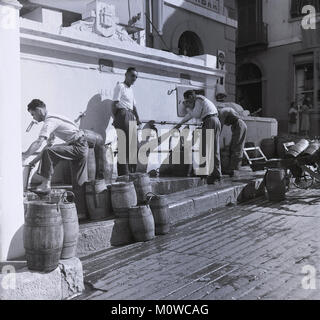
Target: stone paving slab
x,y
253,251
64,282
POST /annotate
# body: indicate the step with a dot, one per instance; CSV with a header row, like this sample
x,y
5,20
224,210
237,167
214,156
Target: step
x,y
95,236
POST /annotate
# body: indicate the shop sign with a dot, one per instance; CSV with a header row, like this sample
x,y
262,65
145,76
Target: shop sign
x,y
212,5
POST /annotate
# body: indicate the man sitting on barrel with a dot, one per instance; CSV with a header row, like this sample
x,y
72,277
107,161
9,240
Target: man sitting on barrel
x,y
74,149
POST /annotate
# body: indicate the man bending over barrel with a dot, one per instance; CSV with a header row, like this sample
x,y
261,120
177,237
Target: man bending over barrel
x,y
74,149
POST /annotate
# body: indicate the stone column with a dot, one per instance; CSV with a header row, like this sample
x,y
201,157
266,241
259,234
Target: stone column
x,y
11,189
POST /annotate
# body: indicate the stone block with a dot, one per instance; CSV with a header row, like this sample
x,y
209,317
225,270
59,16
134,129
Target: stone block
x,y
64,282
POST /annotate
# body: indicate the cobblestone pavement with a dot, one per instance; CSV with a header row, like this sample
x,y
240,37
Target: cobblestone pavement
x,y
252,251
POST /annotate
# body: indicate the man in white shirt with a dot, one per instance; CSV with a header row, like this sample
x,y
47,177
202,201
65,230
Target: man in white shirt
x,y
75,148
199,107
125,111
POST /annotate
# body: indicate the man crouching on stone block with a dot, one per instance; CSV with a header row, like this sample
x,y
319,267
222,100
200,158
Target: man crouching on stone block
x,y
74,149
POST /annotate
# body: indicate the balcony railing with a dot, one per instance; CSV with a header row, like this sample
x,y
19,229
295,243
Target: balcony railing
x,y
255,36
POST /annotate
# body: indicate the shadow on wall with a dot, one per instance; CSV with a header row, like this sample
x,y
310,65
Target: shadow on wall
x,y
98,115
16,246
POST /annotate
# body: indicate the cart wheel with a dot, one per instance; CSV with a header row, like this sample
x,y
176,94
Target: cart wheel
x,y
304,182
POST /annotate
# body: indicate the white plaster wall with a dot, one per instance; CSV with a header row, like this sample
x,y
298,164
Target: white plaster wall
x,y
281,28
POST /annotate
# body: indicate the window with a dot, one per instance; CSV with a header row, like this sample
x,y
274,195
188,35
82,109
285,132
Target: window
x,y
297,5
190,44
304,82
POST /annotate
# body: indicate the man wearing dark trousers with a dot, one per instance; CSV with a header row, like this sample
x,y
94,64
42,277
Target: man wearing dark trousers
x,y
74,149
199,107
230,117
125,113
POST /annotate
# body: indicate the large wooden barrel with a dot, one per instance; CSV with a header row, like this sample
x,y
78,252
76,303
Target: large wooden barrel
x,y
298,148
142,223
121,232
160,211
70,227
43,236
91,164
98,200
268,147
276,184
123,195
142,185
108,161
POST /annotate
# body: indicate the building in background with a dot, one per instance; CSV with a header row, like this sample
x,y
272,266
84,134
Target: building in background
x,y
278,62
194,28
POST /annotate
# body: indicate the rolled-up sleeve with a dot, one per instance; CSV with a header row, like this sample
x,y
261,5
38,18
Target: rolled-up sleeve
x,y
48,128
117,93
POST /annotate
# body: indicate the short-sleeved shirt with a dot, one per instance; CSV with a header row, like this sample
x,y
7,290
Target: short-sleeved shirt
x,y
203,107
61,127
125,96
228,116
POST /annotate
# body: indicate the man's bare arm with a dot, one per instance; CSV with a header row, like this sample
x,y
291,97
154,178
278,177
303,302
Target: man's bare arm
x,y
135,112
34,147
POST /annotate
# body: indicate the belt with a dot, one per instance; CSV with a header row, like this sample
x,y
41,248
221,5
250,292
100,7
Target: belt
x,y
209,116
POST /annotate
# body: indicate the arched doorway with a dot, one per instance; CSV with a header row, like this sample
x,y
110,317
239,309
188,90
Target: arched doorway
x,y
190,44
249,87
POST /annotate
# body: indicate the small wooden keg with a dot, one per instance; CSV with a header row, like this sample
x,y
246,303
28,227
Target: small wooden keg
x,y
142,223
298,148
70,226
160,210
98,200
123,195
121,232
43,236
276,184
142,185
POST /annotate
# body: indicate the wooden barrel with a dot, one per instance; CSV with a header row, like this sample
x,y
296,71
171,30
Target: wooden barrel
x,y
298,148
312,149
121,232
98,200
91,164
142,185
108,161
268,147
276,184
123,195
43,236
142,223
160,211
70,228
